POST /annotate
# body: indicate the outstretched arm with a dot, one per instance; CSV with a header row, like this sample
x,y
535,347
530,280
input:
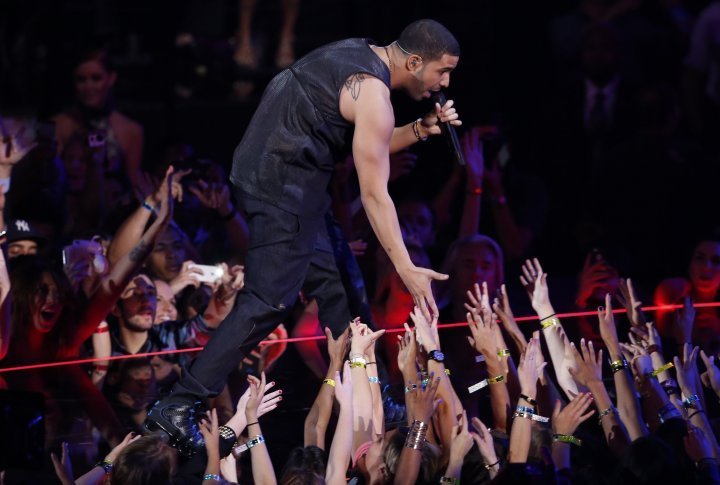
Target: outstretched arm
x,y
366,102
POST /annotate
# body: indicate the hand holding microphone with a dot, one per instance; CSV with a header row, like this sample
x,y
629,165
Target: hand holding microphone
x,y
444,120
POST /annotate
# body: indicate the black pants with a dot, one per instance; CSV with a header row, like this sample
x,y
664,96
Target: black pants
x,y
287,252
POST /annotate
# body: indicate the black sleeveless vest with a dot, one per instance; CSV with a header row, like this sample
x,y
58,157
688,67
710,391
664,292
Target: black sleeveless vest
x,y
297,134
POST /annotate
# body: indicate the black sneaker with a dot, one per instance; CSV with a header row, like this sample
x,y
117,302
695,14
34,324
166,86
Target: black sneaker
x,y
178,417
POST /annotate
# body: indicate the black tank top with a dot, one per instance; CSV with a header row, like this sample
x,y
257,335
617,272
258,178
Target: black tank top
x,y
297,134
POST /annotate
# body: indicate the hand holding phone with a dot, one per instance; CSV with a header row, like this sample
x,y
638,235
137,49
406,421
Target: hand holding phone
x,y
206,273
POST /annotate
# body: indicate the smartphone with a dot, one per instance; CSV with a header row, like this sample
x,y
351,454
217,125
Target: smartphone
x,y
206,273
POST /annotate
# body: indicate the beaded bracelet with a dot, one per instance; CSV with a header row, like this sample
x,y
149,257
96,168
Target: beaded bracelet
x,y
606,412
662,369
485,383
211,476
374,380
329,382
566,438
416,130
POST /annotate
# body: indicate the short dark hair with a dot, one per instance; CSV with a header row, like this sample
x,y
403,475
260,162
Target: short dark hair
x,y
428,39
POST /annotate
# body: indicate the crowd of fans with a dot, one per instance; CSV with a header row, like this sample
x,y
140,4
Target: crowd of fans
x,y
108,255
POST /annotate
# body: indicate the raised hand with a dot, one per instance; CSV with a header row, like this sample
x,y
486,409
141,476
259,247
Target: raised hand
x,y
531,366
629,300
534,280
684,320
210,430
484,441
482,330
501,307
408,352
687,371
187,276
426,331
343,386
213,196
462,441
589,367
338,348
164,201
257,387
422,401
711,377
697,444
115,452
608,330
362,337
472,148
63,466
567,420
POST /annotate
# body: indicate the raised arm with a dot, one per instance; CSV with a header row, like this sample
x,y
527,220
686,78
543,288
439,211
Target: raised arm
x,y
4,305
318,417
110,288
262,468
341,447
627,402
362,338
366,102
535,282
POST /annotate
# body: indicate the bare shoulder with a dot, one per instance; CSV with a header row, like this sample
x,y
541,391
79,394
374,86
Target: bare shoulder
x,y
361,92
126,125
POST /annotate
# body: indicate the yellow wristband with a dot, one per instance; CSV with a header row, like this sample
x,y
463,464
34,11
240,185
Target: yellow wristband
x,y
566,438
662,369
549,322
329,382
357,364
503,352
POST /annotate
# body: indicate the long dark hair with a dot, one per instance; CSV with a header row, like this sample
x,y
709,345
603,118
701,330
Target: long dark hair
x,y
25,278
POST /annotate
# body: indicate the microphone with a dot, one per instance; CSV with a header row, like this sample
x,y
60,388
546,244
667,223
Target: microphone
x,y
451,136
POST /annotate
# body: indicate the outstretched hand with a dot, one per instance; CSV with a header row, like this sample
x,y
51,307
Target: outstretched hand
x,y
418,282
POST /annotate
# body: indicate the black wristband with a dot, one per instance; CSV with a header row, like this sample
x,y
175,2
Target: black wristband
x,y
528,399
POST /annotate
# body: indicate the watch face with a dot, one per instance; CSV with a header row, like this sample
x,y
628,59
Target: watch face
x,y
437,355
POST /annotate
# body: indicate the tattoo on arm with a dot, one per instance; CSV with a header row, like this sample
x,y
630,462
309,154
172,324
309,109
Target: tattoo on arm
x,y
353,84
139,252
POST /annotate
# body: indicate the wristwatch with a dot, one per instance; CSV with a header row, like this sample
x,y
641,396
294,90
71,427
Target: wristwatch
x,y
436,355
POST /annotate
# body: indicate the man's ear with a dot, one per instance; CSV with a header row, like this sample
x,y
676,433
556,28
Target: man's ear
x,y
414,62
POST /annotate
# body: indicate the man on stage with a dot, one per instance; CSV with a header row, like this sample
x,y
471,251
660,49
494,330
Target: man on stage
x,y
309,114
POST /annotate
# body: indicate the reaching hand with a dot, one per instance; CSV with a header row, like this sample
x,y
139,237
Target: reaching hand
x,y
572,415
210,431
482,329
422,401
408,352
608,331
484,441
418,282
213,196
269,402
589,364
11,151
129,438
462,441
255,398
426,332
362,337
343,386
535,282
684,320
501,307
569,363
472,147
711,377
530,366
593,277
228,468
687,371
629,300
232,281
63,466
338,348
165,203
